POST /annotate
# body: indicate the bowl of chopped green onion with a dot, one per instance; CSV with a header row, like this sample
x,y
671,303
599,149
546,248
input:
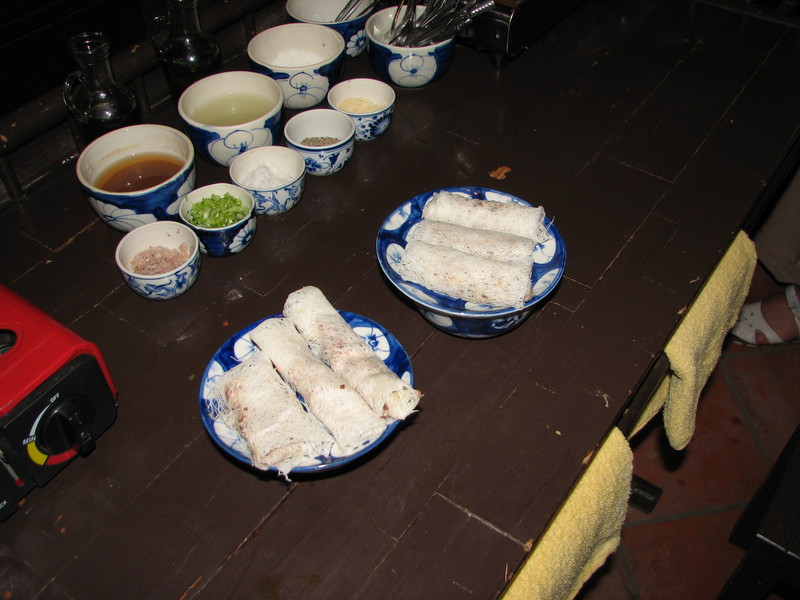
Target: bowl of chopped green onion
x,y
223,217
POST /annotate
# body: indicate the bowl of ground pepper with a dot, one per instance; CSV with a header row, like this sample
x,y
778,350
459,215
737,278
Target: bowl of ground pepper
x,y
324,137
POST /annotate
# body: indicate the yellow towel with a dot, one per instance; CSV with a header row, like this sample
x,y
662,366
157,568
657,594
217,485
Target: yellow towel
x,y
584,531
695,346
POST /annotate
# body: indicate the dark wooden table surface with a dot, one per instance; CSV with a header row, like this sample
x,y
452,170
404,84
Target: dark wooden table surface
x,y
647,135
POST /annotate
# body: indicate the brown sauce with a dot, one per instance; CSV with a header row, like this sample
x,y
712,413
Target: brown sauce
x,y
138,173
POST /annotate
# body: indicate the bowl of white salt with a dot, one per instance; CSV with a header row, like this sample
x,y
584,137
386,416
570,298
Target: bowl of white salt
x,y
305,59
274,175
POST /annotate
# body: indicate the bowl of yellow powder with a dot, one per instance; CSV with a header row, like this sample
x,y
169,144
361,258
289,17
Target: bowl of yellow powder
x,y
368,102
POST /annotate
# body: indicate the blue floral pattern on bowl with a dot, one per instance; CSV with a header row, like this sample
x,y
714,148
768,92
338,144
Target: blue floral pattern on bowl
x,y
167,287
352,31
275,202
456,316
221,150
326,161
419,67
370,126
133,210
239,346
228,240
307,88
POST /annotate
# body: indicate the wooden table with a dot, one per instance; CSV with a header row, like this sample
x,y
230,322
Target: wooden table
x,y
650,144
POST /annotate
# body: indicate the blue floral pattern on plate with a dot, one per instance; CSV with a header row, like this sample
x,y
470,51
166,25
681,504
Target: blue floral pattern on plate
x,y
239,346
457,316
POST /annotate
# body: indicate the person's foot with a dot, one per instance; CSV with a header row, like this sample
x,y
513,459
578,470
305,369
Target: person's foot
x,y
774,320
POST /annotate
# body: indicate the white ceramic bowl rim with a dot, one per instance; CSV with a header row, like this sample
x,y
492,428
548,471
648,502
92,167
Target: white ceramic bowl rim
x,y
198,194
291,9
309,114
387,14
327,31
268,150
142,229
150,151
253,76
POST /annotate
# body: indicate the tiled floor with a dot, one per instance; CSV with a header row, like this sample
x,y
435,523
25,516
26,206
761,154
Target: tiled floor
x,y
747,412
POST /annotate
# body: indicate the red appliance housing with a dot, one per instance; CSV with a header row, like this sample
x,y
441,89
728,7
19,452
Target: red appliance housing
x,y
56,398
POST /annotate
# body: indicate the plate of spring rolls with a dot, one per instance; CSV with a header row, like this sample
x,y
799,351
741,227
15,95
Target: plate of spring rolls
x,y
474,261
307,390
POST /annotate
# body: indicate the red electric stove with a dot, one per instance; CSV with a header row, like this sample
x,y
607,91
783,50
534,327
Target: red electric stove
x,y
56,398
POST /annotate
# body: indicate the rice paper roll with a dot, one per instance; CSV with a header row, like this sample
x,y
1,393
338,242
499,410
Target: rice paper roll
x,y
334,341
506,217
265,411
480,242
471,278
329,397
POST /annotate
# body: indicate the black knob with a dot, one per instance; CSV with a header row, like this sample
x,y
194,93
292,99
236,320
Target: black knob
x,y
66,425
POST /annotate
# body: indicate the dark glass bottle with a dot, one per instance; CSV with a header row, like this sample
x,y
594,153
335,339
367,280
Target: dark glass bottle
x,y
97,101
188,52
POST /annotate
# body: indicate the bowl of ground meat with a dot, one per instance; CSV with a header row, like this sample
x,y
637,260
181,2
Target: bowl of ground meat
x,y
159,261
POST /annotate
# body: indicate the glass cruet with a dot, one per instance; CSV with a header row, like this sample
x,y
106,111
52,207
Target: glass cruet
x,y
97,101
186,50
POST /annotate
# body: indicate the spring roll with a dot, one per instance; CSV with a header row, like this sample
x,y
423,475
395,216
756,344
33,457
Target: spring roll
x,y
480,242
344,351
267,414
471,278
329,397
506,217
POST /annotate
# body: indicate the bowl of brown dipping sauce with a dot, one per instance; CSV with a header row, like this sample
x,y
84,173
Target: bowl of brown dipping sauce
x,y
137,175
159,260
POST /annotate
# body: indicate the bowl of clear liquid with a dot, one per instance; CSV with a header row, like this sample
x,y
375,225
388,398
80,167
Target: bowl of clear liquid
x,y
228,113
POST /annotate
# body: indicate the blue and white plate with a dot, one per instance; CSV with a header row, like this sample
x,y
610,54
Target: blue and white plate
x,y
453,315
240,346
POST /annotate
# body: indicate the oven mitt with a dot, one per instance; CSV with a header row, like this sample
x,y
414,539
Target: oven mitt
x,y
584,532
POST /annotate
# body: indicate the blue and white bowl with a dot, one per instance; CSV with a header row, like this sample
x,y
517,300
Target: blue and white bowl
x,y
167,234
127,210
229,113
321,123
405,66
239,347
371,122
222,241
450,314
304,58
274,175
324,12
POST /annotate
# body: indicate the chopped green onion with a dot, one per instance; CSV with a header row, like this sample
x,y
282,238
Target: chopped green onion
x,y
217,211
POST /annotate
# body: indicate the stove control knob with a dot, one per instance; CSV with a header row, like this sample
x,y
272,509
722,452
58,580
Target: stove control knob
x,y
66,425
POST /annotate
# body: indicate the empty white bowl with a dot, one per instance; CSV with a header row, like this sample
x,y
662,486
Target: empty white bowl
x,y
158,240
305,59
325,138
368,102
274,175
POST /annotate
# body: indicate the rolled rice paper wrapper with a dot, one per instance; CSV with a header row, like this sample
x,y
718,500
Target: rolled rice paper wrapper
x,y
265,411
329,397
506,217
334,341
499,284
480,242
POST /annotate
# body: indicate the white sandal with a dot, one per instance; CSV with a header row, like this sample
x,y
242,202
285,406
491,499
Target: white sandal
x,y
751,320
